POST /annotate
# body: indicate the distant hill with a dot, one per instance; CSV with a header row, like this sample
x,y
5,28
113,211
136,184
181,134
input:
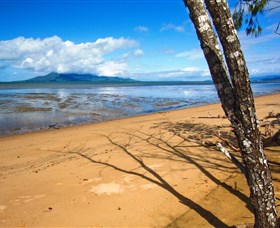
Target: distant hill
x,y
90,78
56,77
267,78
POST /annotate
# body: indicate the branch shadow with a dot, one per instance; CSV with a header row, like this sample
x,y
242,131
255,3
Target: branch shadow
x,y
225,133
175,151
156,179
183,129
180,152
171,151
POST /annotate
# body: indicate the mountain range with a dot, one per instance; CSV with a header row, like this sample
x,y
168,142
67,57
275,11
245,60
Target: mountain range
x,y
56,77
266,78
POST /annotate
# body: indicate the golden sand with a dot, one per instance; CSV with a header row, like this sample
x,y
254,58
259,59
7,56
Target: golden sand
x,y
146,171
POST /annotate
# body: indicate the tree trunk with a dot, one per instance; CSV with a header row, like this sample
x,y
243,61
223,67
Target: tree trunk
x,y
237,100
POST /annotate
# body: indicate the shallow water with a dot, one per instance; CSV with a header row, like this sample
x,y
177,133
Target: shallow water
x,y
34,107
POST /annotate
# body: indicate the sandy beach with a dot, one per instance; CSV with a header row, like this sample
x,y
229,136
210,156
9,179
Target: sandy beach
x,y
146,171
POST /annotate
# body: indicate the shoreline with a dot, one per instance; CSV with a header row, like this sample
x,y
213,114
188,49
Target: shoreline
x,y
27,110
55,127
133,172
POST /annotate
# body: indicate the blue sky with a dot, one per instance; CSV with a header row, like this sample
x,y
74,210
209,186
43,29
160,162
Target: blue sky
x,y
141,39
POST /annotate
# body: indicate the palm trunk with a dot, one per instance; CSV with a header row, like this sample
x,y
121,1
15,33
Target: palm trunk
x,y
237,100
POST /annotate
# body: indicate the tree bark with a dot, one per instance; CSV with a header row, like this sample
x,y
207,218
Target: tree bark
x,y
237,100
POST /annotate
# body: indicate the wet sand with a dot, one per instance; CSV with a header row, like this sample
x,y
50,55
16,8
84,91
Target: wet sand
x,y
146,171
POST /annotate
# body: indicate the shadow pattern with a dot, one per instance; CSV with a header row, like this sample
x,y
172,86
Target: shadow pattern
x,y
170,151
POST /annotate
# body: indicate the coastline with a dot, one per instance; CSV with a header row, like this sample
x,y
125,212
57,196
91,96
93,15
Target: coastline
x,y
136,171
32,109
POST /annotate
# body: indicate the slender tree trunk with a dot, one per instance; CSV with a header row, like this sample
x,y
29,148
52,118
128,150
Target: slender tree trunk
x,y
237,100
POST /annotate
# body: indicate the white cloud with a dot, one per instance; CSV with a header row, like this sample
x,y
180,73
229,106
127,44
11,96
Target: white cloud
x,y
138,53
141,29
170,26
261,54
111,68
187,73
191,54
248,41
54,54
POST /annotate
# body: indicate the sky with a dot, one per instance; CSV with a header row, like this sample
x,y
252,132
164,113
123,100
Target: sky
x,y
139,39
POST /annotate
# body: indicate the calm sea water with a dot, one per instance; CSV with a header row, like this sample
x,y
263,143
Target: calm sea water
x,y
26,108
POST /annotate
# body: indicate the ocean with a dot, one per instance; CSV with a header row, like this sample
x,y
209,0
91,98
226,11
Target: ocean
x,y
32,107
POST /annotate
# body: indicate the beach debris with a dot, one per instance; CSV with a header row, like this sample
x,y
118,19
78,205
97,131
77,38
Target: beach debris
x,y
275,122
211,117
272,115
273,140
267,131
269,137
53,126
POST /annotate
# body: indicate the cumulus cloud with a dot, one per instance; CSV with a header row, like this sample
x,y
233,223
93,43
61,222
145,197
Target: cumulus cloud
x,y
170,26
111,68
54,54
141,29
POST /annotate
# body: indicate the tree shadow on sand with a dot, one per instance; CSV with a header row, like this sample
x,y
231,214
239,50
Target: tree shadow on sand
x,y
200,133
170,151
